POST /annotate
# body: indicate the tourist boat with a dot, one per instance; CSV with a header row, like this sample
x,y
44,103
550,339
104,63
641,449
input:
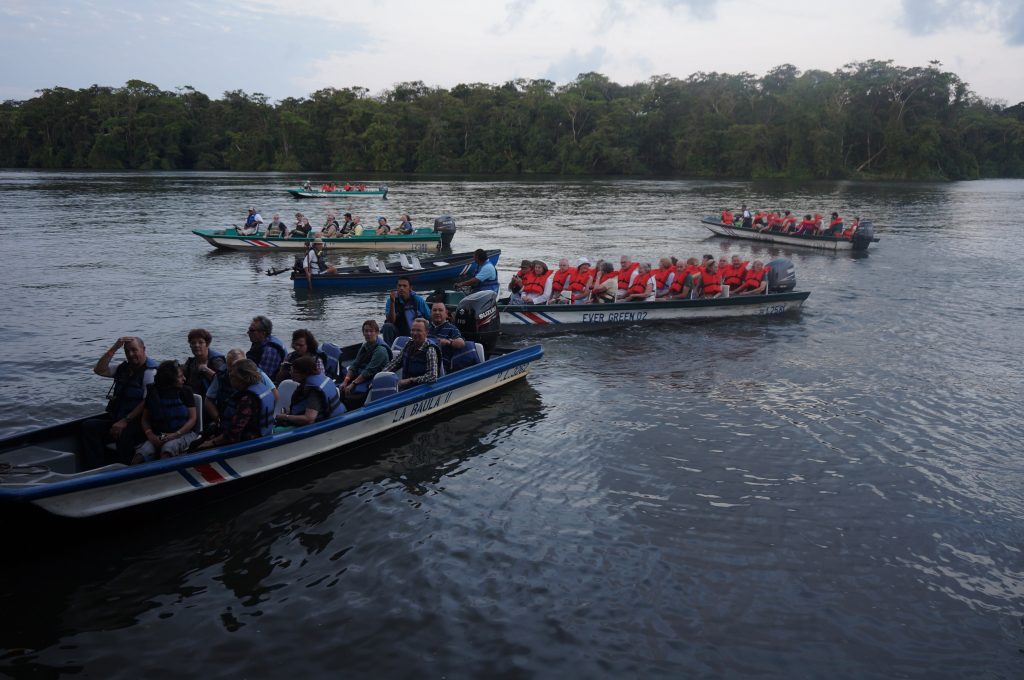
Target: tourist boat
x,y
864,237
422,239
316,192
39,469
375,274
476,318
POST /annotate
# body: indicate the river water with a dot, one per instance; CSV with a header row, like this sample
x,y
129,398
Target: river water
x,y
835,494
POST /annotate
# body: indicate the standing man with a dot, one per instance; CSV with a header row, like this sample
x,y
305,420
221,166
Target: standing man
x,y
748,220
122,423
267,352
314,263
252,223
448,337
402,308
485,276
420,358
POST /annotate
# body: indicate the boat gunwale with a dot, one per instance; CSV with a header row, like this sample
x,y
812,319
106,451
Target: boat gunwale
x,y
371,277
732,300
831,241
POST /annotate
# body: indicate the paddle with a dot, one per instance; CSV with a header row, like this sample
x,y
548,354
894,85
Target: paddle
x,y
275,272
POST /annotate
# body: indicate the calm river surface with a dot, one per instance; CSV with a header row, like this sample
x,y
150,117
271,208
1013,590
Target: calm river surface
x,y
836,494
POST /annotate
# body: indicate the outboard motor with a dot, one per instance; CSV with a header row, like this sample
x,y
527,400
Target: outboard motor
x,y
445,225
781,275
477,318
864,236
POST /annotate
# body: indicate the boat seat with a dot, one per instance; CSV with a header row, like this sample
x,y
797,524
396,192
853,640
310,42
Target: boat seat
x,y
373,264
405,262
384,384
198,400
415,262
439,263
63,462
333,365
398,345
480,353
284,395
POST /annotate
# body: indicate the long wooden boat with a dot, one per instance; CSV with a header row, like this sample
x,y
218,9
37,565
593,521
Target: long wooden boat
x,y
313,192
864,237
428,271
39,469
424,238
523,319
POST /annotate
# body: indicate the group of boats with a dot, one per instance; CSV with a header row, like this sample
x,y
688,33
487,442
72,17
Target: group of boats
x,y
40,469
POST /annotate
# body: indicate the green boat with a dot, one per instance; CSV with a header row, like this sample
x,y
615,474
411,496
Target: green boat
x,y
422,239
308,191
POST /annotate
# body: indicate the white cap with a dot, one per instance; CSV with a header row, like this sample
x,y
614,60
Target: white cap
x,y
582,260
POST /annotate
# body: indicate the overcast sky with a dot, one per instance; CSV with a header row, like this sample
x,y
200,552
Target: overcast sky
x,y
285,48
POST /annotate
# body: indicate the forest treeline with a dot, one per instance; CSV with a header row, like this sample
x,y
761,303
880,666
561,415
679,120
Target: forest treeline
x,y
867,119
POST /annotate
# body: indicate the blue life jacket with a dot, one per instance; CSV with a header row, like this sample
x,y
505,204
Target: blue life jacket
x,y
405,315
250,220
483,285
167,413
129,389
214,359
255,355
327,389
414,362
265,395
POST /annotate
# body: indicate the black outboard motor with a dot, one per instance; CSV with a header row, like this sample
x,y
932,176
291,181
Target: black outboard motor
x,y
445,225
477,318
781,276
864,236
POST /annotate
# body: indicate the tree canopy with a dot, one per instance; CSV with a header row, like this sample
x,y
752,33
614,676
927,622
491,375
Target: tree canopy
x,y
867,119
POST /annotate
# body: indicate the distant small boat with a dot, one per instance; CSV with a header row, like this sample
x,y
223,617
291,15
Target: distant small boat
x,y
377,275
864,237
313,192
423,238
40,469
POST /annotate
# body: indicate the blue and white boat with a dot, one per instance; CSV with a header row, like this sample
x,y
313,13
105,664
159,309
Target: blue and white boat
x,y
39,469
377,275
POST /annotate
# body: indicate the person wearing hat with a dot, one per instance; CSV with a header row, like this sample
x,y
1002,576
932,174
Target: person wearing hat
x,y
581,282
252,223
383,228
314,263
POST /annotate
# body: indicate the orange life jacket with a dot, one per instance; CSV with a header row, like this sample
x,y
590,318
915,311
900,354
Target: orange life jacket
x,y
625,274
733,275
534,284
640,283
680,280
727,217
712,284
661,277
561,279
579,280
753,279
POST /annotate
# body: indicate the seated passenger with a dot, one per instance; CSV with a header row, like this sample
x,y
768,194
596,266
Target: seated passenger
x,y
642,287
315,399
302,227
537,287
727,217
304,344
711,281
806,227
788,222
383,228
314,263
362,187
519,279
484,275
755,281
168,417
817,223
626,273
686,278
348,226
663,277
252,223
560,282
401,308
734,272
252,405
205,363
331,228
406,228
835,226
606,284
348,186
372,356
420,359
580,282
220,398
277,228
774,221
448,337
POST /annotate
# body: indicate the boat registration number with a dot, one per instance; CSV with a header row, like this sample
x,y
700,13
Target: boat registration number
x,y
768,310
613,317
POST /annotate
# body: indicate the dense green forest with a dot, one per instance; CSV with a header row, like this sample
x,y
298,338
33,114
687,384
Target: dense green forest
x,y
868,119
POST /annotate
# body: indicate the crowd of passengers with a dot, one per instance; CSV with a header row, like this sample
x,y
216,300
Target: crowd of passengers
x,y
152,410
333,186
672,279
784,222
332,228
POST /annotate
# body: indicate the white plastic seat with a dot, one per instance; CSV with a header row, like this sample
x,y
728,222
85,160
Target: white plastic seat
x,y
371,263
404,260
284,395
415,262
198,427
480,353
